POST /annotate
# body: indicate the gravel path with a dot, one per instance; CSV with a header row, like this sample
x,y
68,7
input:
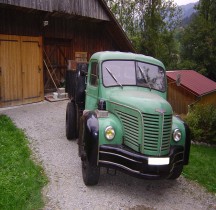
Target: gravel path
x,y
44,124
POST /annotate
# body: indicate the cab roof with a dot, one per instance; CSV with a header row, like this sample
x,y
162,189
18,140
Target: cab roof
x,y
115,55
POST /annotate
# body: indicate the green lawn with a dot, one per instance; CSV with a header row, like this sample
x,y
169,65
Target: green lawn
x,y
202,166
21,180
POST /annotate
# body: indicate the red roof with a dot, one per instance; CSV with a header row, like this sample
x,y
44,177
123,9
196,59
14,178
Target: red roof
x,y
194,81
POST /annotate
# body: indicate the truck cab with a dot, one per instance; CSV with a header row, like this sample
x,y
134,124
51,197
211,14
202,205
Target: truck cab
x,y
120,114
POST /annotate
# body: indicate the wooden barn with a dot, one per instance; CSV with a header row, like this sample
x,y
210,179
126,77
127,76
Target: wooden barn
x,y
194,88
41,38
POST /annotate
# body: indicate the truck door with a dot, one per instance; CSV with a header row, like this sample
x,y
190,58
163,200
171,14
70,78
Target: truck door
x,y
92,87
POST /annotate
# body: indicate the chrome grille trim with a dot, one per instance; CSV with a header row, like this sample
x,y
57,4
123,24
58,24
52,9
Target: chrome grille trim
x,y
153,134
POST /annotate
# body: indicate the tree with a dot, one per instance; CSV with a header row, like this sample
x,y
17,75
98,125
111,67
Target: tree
x,y
125,13
160,20
199,40
150,25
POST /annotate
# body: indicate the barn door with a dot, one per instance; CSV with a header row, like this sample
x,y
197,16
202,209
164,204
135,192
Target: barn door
x,y
31,69
10,71
57,53
21,75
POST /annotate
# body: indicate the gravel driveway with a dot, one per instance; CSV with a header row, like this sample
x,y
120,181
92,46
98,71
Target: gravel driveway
x,y
44,124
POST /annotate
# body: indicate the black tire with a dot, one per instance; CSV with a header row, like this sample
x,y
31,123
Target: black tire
x,y
90,173
176,172
71,131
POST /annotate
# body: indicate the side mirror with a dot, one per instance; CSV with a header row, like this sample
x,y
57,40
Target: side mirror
x,y
83,73
178,79
83,68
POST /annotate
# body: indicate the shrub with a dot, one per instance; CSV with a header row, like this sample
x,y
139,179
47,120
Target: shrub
x,y
202,120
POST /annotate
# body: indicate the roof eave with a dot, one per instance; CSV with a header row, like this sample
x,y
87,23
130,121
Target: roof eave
x,y
191,91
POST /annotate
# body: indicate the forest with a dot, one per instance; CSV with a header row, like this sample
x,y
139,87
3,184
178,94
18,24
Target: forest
x,y
155,28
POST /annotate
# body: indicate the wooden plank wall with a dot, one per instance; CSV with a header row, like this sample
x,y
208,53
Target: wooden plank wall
x,y
86,8
84,33
182,99
18,22
30,23
73,36
209,98
63,36
179,98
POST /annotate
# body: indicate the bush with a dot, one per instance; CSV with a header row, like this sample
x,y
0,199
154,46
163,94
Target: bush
x,y
202,120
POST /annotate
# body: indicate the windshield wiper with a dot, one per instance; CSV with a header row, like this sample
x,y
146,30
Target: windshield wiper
x,y
145,79
111,74
141,72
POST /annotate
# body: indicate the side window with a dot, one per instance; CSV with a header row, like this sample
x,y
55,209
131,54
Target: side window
x,y
94,74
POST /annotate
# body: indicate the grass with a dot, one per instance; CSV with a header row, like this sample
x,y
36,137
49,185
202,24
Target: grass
x,y
202,166
21,180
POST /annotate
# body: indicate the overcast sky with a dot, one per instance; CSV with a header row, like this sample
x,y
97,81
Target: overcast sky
x,y
183,2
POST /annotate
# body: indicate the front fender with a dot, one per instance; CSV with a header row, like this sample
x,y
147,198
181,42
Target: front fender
x,y
89,137
187,144
178,122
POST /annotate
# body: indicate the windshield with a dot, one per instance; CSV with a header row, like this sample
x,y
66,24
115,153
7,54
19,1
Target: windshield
x,y
122,73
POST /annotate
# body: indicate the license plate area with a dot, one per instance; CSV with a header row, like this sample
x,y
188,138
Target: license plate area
x,y
158,161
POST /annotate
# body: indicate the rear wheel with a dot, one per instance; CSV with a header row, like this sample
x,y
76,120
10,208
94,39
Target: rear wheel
x,y
71,121
176,172
90,173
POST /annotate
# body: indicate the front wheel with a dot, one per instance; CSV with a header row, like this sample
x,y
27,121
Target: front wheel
x,y
176,172
90,173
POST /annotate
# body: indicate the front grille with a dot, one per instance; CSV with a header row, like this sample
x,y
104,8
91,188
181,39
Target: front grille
x,y
146,133
131,129
157,131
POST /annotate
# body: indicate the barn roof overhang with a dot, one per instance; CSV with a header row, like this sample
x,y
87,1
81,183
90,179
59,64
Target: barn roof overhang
x,y
184,87
193,82
49,10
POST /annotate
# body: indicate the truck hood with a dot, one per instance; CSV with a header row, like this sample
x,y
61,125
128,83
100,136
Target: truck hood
x,y
147,102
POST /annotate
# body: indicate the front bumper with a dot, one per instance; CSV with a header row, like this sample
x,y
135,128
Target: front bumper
x,y
122,158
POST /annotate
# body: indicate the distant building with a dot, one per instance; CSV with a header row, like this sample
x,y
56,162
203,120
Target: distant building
x,y
194,89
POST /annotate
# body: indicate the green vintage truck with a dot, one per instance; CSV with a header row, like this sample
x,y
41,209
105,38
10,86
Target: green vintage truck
x,y
119,113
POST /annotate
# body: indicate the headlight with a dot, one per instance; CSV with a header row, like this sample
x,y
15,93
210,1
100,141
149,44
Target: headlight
x,y
109,133
177,135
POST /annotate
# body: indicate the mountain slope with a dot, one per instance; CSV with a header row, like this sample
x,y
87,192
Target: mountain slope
x,y
188,9
188,12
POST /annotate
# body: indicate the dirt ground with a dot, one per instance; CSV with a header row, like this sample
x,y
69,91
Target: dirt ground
x,y
44,124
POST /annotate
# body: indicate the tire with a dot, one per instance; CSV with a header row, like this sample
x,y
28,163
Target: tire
x,y
71,121
176,172
90,173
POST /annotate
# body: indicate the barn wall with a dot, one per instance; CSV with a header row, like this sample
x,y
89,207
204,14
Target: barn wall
x,y
209,99
86,8
18,22
179,98
62,37
84,33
